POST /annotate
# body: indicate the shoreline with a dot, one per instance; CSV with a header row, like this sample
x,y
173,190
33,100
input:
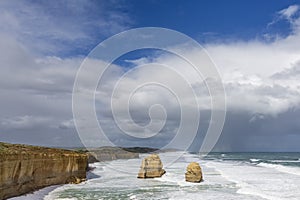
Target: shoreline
x,y
217,171
38,194
32,159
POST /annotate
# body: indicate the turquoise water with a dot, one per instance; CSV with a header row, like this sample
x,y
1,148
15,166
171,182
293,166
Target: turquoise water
x,y
247,176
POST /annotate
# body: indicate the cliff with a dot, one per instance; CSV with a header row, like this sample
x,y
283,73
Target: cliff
x,y
110,153
26,168
141,149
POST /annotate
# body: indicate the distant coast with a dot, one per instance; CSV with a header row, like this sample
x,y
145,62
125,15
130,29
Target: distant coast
x,y
113,153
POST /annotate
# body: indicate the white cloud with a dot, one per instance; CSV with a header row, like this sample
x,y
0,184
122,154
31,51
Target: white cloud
x,y
261,79
67,124
60,27
289,12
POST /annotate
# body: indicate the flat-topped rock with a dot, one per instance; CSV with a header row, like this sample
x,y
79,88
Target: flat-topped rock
x,y
193,173
151,167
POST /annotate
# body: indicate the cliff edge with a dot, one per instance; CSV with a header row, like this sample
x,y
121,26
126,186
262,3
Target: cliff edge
x,y
25,168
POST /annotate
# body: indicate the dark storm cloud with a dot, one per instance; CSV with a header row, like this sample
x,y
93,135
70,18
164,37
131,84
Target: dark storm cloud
x,y
281,133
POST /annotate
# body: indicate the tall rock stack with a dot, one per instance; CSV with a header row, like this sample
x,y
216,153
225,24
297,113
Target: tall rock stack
x,y
193,173
151,167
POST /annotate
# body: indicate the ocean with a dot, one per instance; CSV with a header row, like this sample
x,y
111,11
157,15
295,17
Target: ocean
x,y
227,176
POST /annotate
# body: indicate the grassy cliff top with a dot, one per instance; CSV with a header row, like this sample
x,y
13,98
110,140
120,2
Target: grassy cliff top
x,y
6,148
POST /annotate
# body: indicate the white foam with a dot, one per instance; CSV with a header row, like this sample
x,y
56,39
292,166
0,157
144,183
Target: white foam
x,y
132,197
259,181
281,168
222,180
66,198
253,190
37,195
254,160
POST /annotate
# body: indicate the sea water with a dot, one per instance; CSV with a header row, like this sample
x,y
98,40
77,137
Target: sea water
x,y
247,176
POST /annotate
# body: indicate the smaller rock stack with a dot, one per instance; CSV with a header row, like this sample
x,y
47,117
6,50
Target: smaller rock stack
x,y
151,167
193,173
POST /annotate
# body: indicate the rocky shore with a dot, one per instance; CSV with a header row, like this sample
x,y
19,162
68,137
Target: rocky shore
x,y
25,168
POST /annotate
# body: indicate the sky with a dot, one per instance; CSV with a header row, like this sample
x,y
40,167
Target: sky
x,y
254,44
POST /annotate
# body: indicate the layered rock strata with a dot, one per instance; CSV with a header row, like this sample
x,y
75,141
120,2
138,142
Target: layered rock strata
x,y
193,173
26,168
151,167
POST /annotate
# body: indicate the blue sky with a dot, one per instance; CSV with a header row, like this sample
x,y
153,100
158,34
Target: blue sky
x,y
226,19
255,45
207,21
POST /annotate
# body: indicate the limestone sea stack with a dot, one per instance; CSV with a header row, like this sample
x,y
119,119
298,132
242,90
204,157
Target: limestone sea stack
x,y
151,167
193,173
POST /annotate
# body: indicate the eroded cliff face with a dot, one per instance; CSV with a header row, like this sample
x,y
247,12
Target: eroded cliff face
x,y
26,168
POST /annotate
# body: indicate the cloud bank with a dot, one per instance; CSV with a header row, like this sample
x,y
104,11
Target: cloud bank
x,y
260,78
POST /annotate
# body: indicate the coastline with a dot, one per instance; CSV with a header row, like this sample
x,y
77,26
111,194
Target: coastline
x,y
26,168
224,175
36,195
17,153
